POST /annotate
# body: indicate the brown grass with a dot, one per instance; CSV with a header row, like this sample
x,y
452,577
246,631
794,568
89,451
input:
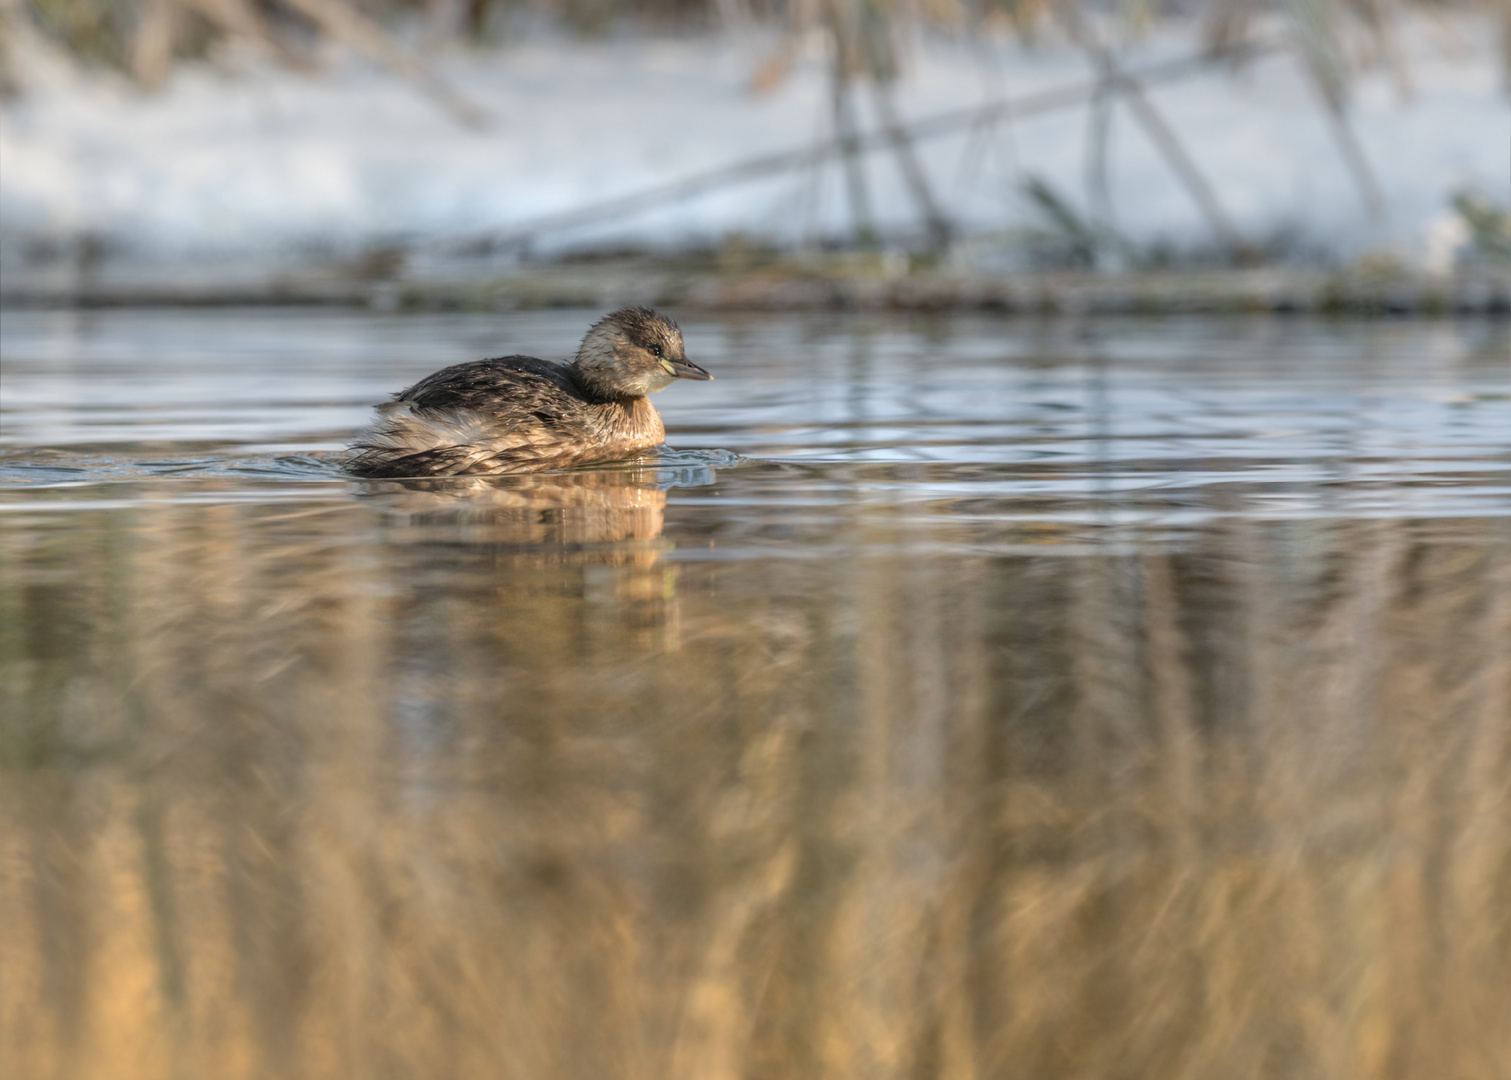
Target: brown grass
x,y
145,37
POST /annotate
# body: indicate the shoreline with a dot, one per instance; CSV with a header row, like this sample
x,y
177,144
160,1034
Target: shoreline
x,y
822,287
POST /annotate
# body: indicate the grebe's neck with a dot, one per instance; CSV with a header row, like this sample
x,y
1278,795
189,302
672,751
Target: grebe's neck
x,y
597,368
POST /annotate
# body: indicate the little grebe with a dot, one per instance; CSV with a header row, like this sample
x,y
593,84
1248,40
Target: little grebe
x,y
521,414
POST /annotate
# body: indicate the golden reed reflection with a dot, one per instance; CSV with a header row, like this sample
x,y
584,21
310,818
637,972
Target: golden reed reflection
x,y
611,519
349,790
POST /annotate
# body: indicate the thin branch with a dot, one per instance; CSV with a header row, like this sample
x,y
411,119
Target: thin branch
x,y
847,139
1165,139
912,172
1354,159
883,70
1098,145
1326,73
1217,219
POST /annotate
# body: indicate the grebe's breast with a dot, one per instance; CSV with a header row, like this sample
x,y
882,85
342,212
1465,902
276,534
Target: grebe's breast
x,y
628,427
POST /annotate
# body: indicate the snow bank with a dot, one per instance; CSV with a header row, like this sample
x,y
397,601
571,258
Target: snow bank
x,y
229,165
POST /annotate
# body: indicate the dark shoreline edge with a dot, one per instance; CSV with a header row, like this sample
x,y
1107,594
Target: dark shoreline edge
x,y
1220,291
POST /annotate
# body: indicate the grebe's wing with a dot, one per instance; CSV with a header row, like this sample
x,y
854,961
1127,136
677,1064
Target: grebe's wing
x,y
513,414
491,385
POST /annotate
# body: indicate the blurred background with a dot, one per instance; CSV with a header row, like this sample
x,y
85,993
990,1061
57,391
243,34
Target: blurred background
x,y
429,149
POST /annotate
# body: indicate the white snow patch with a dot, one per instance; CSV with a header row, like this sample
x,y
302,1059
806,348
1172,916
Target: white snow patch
x,y
222,165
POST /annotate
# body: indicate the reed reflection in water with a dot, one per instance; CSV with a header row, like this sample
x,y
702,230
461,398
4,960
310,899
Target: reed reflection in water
x,y
1035,700
501,781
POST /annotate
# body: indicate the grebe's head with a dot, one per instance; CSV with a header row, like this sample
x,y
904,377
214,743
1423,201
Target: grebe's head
x,y
633,352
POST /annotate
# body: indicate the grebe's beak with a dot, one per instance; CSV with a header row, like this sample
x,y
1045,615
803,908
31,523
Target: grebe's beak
x,y
685,369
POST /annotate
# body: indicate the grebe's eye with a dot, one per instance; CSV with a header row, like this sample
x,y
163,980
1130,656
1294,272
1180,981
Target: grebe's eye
x,y
656,351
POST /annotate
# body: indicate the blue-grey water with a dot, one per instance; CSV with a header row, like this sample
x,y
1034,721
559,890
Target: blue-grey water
x,y
954,697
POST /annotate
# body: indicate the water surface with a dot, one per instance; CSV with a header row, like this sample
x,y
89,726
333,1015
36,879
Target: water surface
x,y
956,698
